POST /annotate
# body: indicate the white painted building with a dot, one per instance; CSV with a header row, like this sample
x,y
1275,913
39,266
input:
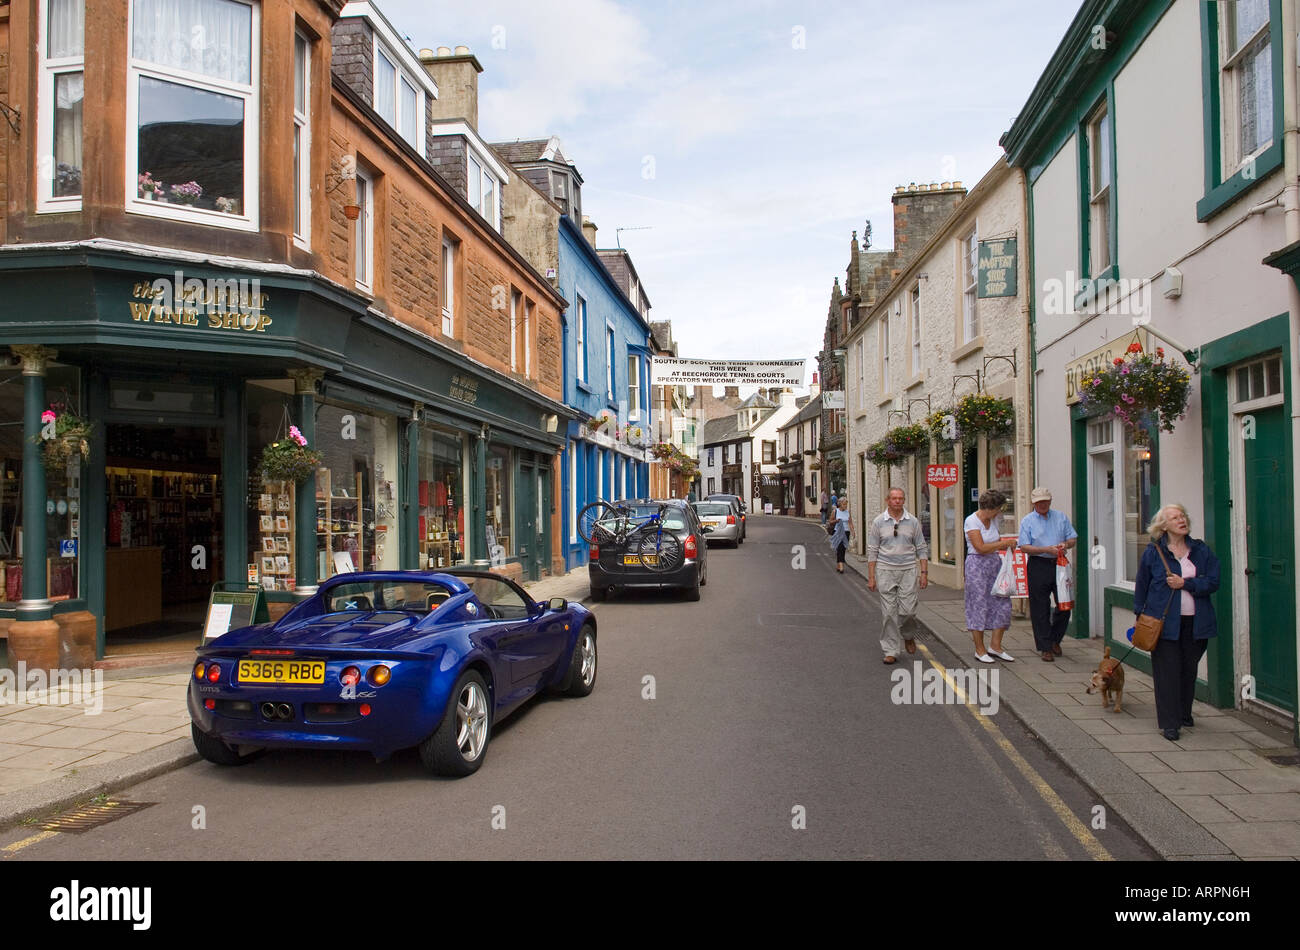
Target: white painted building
x,y
1162,176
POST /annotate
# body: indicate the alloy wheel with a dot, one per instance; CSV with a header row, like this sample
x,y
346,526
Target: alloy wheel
x,y
471,721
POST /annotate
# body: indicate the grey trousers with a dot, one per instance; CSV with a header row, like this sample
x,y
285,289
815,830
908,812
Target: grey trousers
x,y
897,589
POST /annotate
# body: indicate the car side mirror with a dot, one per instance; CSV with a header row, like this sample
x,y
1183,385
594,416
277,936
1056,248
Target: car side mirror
x,y
556,603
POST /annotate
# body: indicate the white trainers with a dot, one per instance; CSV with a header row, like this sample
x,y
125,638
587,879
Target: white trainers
x,y
983,657
1003,656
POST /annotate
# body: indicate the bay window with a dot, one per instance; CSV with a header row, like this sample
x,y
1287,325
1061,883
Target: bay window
x,y
62,89
365,232
481,187
301,141
192,108
450,250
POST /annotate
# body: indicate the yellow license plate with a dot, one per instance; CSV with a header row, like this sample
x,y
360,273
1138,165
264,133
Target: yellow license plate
x,y
292,672
632,559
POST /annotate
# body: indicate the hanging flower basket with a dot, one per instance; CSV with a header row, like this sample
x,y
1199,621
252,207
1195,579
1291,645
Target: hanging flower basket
x,y
1140,389
71,436
815,466
289,459
352,212
974,415
910,439
884,453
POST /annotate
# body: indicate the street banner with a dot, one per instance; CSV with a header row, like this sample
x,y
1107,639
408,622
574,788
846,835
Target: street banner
x,y
670,371
941,476
833,399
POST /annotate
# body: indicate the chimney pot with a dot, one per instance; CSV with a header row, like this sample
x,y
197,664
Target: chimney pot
x,y
444,50
425,54
462,50
956,184
947,185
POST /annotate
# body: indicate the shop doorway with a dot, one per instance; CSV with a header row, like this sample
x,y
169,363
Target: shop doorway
x,y
528,502
163,545
1101,510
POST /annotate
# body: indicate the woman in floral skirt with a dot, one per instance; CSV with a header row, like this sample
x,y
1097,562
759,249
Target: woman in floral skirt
x,y
983,610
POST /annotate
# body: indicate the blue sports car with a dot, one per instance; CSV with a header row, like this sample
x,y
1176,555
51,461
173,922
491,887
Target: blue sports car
x,y
386,660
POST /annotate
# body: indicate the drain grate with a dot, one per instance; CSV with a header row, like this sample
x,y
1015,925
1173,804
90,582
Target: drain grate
x,y
90,816
1281,756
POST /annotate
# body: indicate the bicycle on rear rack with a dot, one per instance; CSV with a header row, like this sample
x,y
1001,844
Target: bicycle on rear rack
x,y
657,548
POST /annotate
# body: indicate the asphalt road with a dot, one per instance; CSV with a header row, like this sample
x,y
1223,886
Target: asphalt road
x,y
771,734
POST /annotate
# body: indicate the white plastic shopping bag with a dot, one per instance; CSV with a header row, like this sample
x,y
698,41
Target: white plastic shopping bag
x,y
1004,585
1064,584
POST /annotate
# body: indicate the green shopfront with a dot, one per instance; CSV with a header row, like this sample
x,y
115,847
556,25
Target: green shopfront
x,y
186,371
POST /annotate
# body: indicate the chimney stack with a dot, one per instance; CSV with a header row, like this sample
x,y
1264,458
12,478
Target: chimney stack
x,y
456,74
589,230
919,210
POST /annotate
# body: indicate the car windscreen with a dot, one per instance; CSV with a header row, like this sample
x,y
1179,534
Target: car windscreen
x,y
416,596
713,508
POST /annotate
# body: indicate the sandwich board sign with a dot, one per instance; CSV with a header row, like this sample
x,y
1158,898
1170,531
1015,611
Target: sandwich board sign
x,y
232,606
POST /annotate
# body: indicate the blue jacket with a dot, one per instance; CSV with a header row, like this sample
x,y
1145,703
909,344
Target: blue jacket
x,y
1152,593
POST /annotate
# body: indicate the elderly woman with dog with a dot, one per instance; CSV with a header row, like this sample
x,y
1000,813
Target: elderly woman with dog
x,y
1177,575
983,610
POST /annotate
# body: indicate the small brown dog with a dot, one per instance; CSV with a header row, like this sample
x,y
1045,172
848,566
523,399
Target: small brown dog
x,y
1109,678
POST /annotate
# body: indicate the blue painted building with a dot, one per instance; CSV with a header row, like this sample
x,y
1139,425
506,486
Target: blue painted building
x,y
606,375
606,336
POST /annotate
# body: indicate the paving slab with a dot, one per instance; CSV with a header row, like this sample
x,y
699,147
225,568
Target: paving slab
x,y
1268,806
1181,761
1141,742
1203,808
1193,783
1142,762
1270,779
1259,838
72,738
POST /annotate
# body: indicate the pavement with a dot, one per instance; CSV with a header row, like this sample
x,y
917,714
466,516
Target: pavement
x,y
66,745
1212,795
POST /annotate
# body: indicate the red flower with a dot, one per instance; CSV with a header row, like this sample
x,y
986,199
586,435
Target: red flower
x,y
1160,352
1117,361
1134,347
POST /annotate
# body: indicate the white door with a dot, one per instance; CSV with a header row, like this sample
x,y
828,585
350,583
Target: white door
x,y
1101,519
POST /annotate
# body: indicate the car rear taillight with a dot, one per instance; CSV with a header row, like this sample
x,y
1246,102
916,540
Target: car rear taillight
x,y
270,653
365,709
198,671
209,704
690,545
350,676
214,673
595,552
378,675
731,519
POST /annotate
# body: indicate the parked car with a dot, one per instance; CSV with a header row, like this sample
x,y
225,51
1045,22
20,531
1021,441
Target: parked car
x,y
740,509
618,565
384,660
722,518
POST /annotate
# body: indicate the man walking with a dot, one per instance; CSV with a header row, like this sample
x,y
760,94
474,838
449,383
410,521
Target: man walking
x,y
1045,534
897,542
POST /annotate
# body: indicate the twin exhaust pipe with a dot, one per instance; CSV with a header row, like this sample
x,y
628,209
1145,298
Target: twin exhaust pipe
x,y
277,711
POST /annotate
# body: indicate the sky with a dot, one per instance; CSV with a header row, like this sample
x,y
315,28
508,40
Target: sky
x,y
749,139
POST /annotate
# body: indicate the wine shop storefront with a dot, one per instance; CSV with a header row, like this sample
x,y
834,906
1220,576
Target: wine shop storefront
x,y
141,394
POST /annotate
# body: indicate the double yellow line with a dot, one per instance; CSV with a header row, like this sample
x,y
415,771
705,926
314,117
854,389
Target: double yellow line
x,y
1082,833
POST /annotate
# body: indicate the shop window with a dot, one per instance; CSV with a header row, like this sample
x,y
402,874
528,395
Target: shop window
x,y
1002,477
499,465
62,563
920,493
1139,478
192,142
441,494
1122,484
62,90
948,510
356,496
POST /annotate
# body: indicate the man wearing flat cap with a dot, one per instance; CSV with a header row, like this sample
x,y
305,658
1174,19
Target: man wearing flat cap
x,y
1045,534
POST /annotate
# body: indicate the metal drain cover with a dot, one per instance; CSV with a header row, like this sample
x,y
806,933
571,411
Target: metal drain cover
x,y
92,815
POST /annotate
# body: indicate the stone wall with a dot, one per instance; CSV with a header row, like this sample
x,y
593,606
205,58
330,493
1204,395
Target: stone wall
x,y
354,56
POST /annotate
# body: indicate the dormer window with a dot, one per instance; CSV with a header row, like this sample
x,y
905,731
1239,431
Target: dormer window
x,y
483,189
398,97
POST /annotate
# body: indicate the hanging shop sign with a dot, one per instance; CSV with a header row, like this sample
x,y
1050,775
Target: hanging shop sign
x,y
1100,359
997,268
833,399
670,371
190,302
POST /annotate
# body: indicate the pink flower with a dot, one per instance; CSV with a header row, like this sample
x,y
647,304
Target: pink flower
x,y
47,416
1097,381
296,435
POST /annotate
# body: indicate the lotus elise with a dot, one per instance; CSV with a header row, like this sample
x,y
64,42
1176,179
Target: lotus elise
x,y
386,660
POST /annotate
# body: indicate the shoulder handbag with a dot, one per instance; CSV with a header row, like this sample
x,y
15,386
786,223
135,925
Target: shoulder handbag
x,y
1147,630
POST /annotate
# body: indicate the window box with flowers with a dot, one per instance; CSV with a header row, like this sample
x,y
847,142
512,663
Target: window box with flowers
x,y
1141,390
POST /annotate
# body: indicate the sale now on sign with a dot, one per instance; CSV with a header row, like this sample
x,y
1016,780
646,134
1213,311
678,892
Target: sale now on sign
x,y
941,476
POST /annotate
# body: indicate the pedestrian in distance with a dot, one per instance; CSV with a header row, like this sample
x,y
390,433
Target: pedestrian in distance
x,y
1175,579
983,610
840,528
825,507
897,542
1046,534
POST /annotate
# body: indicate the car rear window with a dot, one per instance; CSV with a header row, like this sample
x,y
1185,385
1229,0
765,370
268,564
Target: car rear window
x,y
713,508
673,517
